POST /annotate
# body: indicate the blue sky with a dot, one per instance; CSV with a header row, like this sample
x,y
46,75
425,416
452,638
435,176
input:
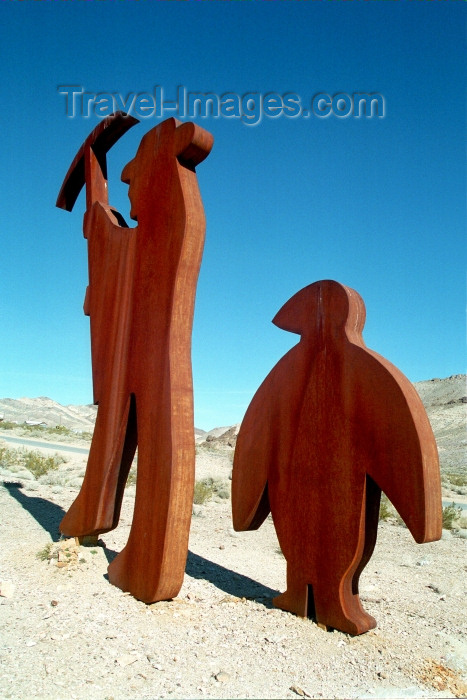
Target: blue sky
x,y
377,204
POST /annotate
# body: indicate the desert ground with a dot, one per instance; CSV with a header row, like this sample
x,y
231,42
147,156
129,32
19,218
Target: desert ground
x,y
66,632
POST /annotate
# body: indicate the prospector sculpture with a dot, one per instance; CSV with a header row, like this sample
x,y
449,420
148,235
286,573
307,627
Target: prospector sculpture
x,y
140,299
332,425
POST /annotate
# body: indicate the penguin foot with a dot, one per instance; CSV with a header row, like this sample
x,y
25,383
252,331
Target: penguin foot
x,y
293,600
355,623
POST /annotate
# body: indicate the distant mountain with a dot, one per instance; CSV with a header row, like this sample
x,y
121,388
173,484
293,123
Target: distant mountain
x,y
443,392
445,401
45,410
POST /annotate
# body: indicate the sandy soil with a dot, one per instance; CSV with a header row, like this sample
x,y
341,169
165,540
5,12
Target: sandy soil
x,y
66,632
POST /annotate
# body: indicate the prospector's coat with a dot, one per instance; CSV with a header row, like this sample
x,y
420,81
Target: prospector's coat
x,y
140,298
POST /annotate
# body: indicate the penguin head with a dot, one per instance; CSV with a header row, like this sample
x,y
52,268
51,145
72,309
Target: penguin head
x,y
322,309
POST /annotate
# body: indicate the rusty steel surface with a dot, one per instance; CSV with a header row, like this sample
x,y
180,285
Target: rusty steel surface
x,y
332,425
140,300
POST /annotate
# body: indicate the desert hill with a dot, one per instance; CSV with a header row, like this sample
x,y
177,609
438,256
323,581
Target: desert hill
x,y
45,410
445,401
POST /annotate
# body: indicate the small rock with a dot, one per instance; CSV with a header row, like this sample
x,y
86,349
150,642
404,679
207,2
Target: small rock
x,y
126,660
447,534
7,589
223,493
462,533
222,677
299,691
54,603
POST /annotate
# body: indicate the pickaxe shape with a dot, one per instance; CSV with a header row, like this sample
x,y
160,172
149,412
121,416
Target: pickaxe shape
x,y
140,300
90,163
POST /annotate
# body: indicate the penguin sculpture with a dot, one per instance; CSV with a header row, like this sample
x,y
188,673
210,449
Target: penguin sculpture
x,y
331,426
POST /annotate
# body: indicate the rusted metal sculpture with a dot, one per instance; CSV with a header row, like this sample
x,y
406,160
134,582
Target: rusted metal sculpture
x,y
140,299
331,425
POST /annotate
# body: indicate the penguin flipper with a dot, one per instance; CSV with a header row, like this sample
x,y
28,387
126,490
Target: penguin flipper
x,y
404,458
250,500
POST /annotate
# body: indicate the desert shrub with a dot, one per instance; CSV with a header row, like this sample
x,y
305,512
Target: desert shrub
x,y
60,430
209,487
8,457
40,431
45,553
39,465
131,480
34,462
451,513
385,509
204,490
35,430
458,479
7,425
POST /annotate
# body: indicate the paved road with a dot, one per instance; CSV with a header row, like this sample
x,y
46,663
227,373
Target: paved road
x,y
63,447
59,447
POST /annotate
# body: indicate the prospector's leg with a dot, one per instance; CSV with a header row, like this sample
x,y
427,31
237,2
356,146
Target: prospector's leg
x,y
97,506
152,564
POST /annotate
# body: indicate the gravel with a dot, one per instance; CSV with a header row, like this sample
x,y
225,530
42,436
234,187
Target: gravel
x,y
66,632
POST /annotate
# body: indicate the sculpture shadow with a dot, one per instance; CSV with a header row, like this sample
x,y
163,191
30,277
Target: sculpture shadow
x,y
229,581
46,513
49,516
222,578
